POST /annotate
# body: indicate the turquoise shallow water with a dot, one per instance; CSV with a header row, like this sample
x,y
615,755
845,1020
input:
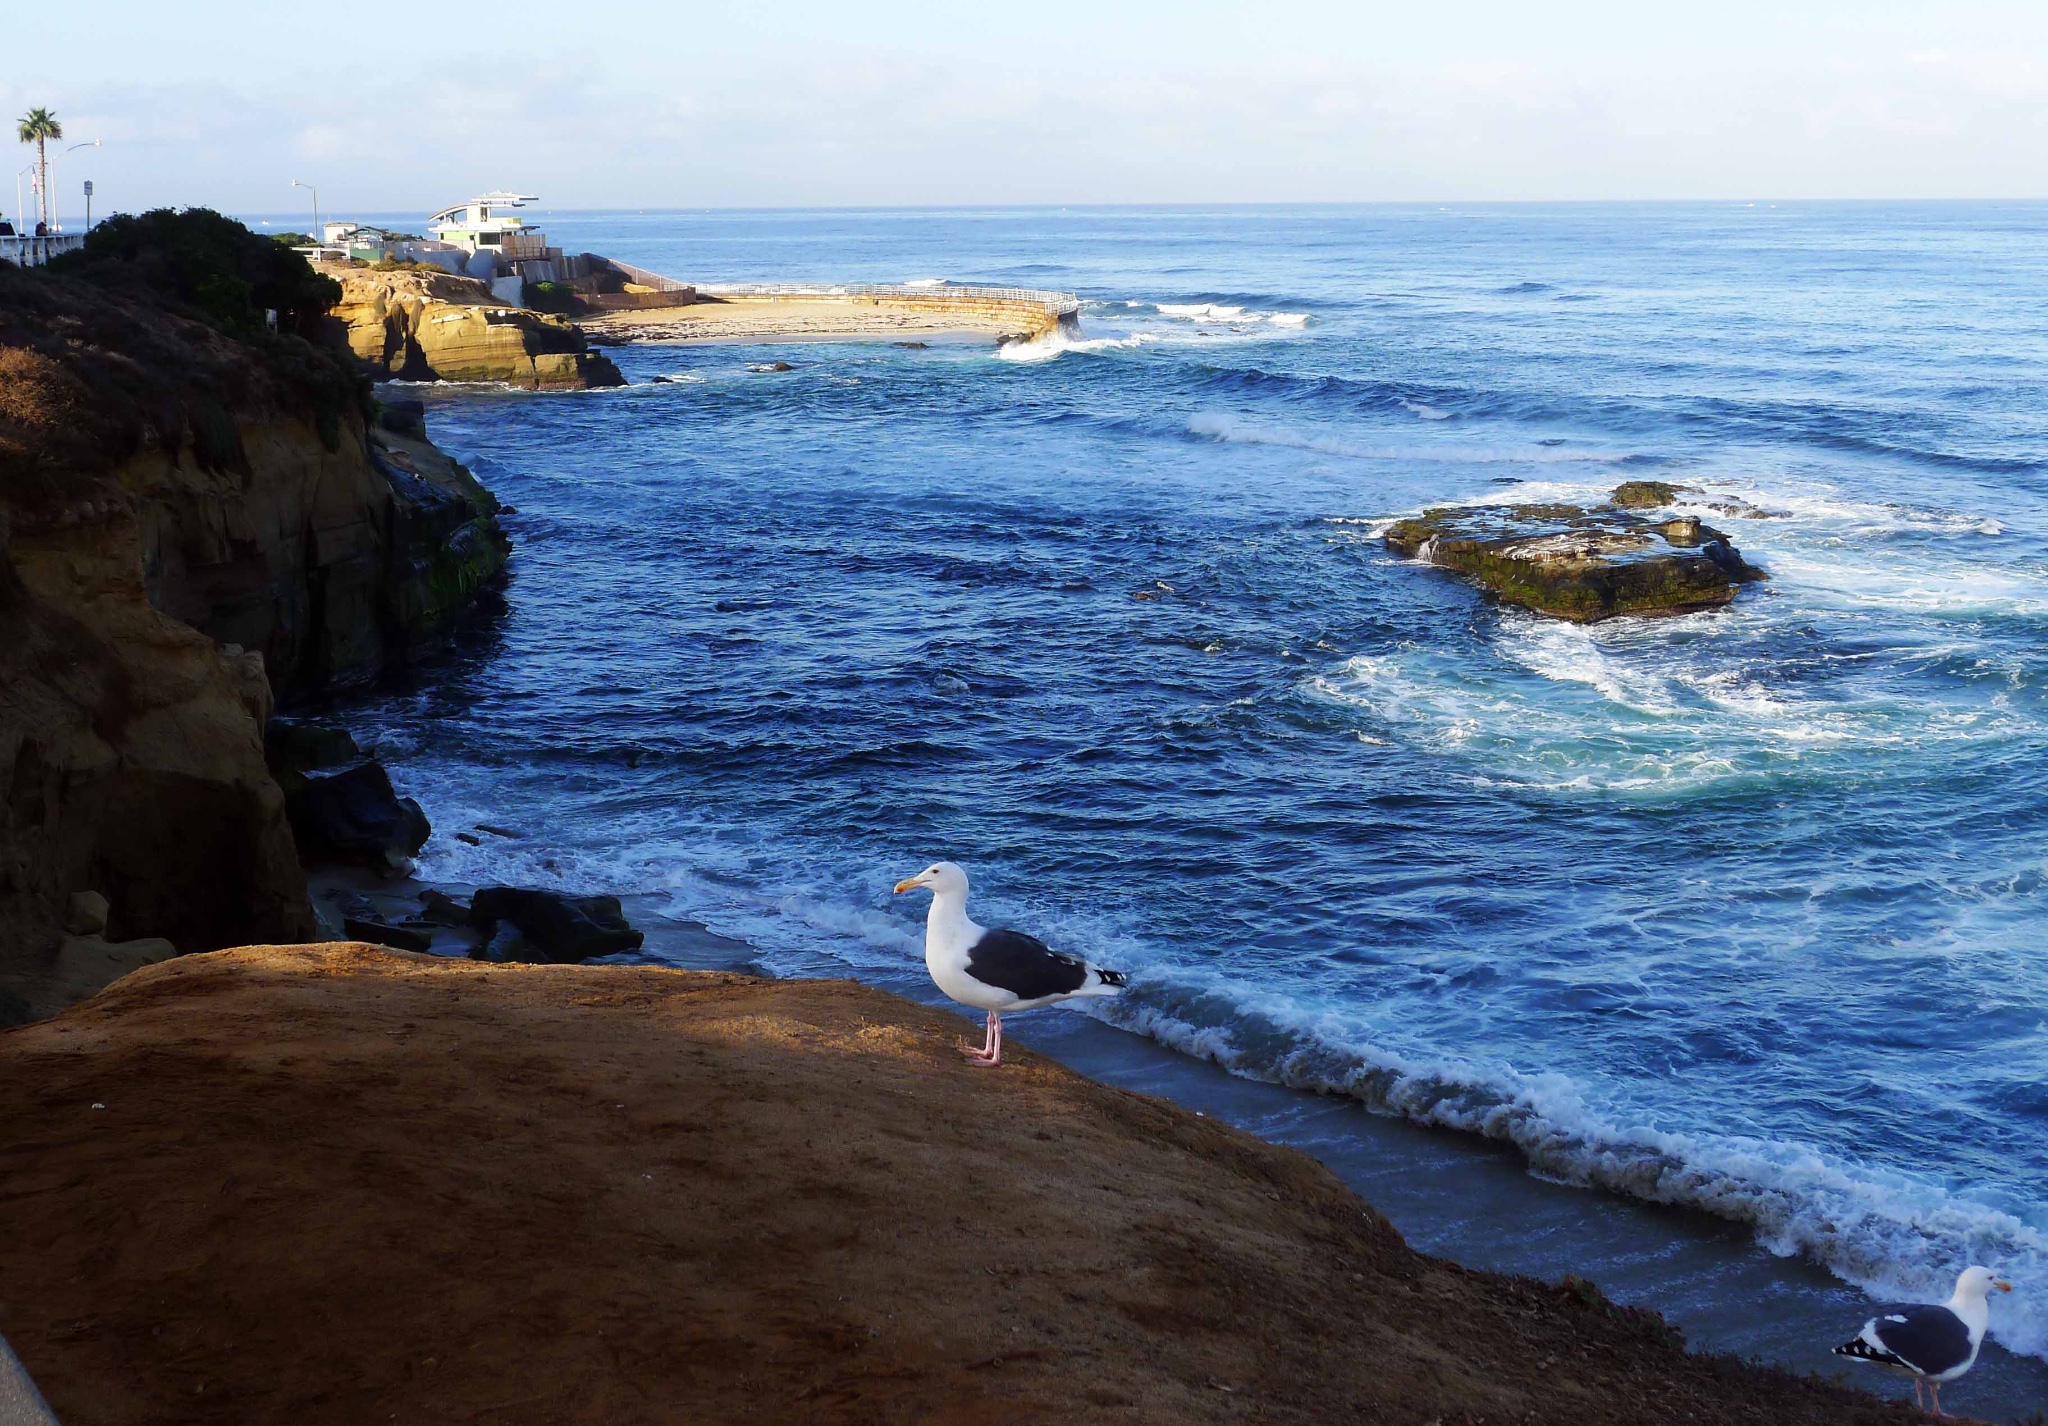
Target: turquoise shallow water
x,y
1740,911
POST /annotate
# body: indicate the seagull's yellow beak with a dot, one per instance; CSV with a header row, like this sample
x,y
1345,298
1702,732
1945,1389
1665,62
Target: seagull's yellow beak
x,y
2001,1284
908,884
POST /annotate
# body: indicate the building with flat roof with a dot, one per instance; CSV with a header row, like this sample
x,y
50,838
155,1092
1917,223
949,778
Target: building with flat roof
x,y
487,223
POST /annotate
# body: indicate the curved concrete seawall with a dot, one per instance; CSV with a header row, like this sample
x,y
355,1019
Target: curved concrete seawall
x,y
1030,313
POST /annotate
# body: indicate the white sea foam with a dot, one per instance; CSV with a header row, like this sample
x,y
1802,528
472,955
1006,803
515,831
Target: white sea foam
x,y
1053,343
1887,1232
926,282
1199,311
1288,319
1427,413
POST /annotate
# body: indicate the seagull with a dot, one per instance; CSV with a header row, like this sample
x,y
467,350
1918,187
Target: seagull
x,y
1931,1344
996,970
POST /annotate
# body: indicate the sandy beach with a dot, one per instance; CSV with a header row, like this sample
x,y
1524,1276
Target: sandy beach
x,y
336,1184
823,318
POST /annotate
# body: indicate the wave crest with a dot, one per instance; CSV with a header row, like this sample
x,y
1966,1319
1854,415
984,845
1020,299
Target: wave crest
x,y
1885,1233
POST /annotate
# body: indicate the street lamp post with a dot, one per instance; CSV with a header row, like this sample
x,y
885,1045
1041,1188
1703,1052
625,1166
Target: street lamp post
x,y
317,238
56,224
88,205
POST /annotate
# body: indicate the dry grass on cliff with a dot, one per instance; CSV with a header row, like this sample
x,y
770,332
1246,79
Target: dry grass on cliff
x,y
333,1184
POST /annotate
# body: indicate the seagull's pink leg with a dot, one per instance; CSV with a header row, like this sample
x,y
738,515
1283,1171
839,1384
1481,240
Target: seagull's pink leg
x,y
1934,1390
991,1051
1919,1404
991,1043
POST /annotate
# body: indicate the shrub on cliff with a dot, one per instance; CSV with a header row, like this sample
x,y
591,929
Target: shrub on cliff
x,y
91,376
211,264
549,297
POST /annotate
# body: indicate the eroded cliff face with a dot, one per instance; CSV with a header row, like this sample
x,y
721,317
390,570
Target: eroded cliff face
x,y
430,326
131,757
190,528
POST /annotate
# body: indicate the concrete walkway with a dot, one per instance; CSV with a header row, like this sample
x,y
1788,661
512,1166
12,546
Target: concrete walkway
x,y
20,1403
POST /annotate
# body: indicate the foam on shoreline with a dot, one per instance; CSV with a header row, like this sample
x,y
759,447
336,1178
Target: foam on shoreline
x,y
1884,1232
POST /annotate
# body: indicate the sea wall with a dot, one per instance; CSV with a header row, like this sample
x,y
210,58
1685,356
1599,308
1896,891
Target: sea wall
x,y
1025,318
192,529
431,326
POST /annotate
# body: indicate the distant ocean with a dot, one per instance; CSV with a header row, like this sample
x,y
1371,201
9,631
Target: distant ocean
x,y
1742,911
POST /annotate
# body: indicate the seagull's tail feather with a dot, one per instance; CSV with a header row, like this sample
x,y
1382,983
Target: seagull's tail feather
x,y
1862,1351
1107,982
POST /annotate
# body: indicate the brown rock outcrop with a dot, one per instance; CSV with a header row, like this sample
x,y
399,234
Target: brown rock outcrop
x,y
625,1194
432,326
190,526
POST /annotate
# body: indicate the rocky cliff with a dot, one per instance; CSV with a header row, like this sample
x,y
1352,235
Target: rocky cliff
x,y
431,326
191,527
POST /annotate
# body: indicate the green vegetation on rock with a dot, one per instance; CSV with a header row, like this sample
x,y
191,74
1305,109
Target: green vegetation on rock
x,y
1580,564
211,265
550,297
1647,494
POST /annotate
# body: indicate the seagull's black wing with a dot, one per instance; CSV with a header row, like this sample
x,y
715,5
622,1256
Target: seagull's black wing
x,y
1920,1338
1023,965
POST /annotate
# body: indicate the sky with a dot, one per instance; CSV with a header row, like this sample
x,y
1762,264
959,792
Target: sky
x,y
791,103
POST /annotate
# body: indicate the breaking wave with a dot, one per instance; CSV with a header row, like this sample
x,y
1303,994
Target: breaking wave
x,y
1882,1231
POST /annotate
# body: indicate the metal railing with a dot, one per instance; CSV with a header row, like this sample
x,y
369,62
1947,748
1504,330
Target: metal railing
x,y
30,251
642,277
1058,303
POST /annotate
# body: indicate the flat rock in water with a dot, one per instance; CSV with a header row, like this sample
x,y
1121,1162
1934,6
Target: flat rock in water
x,y
1583,564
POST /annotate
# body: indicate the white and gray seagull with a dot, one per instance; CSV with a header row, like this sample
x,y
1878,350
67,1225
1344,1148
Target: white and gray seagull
x,y
1932,1344
996,971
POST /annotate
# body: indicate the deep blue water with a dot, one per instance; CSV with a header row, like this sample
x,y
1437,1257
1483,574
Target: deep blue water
x,y
1741,910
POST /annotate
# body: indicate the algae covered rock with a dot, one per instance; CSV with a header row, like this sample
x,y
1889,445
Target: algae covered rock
x,y
1647,494
1581,564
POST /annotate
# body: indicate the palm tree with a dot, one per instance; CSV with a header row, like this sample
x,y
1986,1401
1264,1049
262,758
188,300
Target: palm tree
x,y
38,126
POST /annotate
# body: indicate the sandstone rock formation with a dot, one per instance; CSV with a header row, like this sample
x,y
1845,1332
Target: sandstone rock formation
x,y
333,1185
431,326
191,527
1582,564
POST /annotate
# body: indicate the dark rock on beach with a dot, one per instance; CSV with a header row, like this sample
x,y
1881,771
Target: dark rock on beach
x,y
356,817
442,909
552,928
296,746
403,416
1581,564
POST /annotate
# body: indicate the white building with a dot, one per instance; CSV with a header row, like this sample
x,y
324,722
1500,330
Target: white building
x,y
487,224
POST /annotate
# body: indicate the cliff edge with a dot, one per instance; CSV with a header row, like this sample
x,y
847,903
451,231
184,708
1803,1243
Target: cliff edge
x,y
338,1184
193,526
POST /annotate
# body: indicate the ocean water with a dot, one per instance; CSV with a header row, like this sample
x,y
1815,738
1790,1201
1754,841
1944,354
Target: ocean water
x,y
1740,912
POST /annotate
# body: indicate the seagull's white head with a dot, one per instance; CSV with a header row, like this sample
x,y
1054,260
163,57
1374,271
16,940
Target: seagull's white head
x,y
1976,1284
940,877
